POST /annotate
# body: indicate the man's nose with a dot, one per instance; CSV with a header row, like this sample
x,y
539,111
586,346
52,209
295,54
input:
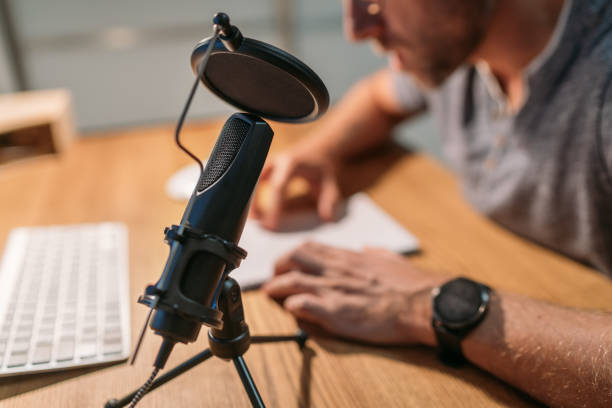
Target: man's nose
x,y
359,23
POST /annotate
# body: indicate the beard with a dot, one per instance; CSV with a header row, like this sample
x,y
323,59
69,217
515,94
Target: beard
x,y
439,62
433,52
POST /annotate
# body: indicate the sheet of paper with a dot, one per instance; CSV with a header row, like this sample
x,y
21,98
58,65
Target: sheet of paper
x,y
364,224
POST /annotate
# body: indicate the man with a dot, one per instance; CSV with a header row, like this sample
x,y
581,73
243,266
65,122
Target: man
x,y
522,91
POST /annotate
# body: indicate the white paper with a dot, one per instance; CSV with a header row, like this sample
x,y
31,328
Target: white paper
x,y
363,225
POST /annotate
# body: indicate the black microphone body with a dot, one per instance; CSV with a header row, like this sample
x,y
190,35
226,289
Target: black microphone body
x,y
211,227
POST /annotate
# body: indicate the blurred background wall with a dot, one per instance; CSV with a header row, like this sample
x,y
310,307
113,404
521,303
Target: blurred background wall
x,y
126,62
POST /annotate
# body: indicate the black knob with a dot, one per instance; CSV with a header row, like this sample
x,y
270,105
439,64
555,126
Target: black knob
x,y
223,21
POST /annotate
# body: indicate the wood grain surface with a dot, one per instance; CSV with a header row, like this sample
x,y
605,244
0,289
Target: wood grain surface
x,y
120,176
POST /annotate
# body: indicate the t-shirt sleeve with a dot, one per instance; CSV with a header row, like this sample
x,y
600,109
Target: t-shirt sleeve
x,y
605,129
409,95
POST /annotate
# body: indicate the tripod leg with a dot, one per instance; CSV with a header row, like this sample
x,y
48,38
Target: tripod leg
x,y
175,372
300,338
248,383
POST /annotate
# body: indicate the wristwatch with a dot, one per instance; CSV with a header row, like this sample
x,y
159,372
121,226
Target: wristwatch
x,y
458,307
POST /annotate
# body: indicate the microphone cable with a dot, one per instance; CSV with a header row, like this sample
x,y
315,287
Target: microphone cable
x,y
144,388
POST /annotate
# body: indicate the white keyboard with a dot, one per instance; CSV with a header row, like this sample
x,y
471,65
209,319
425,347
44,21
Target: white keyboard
x,y
64,298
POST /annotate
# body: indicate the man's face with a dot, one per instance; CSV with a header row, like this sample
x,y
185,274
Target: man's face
x,y
428,38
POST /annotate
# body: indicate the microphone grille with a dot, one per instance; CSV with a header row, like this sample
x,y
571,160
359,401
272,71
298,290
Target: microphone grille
x,y
232,136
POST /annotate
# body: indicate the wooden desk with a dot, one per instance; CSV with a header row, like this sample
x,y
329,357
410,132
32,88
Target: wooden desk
x,y
121,177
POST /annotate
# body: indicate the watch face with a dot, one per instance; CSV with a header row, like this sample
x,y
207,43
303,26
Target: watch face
x,y
459,302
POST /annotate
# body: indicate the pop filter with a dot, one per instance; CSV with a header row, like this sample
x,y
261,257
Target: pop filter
x,y
262,79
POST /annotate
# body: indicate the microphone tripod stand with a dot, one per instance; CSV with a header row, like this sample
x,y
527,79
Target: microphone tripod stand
x,y
228,343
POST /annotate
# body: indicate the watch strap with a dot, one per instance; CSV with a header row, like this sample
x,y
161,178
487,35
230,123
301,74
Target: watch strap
x,y
449,344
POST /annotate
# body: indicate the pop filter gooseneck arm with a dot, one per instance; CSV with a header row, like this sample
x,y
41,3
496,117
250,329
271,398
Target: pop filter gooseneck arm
x,y
231,38
181,120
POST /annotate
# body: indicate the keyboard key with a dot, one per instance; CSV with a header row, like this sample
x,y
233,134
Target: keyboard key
x,y
69,308
69,319
42,353
17,358
47,338
46,331
112,348
48,320
27,317
24,332
87,349
112,331
68,333
65,350
21,344
29,306
112,317
24,328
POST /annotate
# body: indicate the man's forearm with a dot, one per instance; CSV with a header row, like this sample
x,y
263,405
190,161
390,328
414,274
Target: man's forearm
x,y
560,356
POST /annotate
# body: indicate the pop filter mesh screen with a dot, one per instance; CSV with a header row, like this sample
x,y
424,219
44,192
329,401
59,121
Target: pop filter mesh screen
x,y
258,86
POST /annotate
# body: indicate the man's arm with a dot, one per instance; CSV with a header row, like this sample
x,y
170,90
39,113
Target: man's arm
x,y
560,356
364,117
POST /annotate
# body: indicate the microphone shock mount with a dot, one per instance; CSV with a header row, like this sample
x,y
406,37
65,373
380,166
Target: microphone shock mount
x,y
228,343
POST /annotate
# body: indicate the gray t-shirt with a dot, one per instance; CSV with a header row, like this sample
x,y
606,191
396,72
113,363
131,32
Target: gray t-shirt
x,y
544,172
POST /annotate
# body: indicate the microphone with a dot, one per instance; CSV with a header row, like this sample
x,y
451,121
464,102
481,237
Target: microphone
x,y
266,82
203,247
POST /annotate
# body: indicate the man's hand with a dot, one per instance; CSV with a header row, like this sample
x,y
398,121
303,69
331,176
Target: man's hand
x,y
374,296
309,164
